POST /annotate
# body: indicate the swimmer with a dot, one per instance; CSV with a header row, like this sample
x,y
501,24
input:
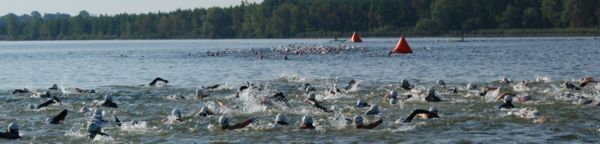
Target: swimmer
x,y
359,124
423,114
441,83
373,110
117,121
158,79
204,112
94,129
278,97
241,89
406,85
54,87
569,85
485,90
46,95
108,102
85,91
586,80
12,132
393,95
49,102
224,123
312,100
308,88
507,104
97,117
431,96
280,119
471,86
307,122
361,104
59,118
212,87
351,84
200,94
21,91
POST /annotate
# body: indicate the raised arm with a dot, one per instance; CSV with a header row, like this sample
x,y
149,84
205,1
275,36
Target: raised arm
x,y
415,113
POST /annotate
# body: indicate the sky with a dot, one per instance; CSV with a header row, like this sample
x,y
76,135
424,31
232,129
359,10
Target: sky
x,y
111,7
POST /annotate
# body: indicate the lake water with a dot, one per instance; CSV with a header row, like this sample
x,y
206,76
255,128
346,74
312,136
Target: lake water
x,y
123,68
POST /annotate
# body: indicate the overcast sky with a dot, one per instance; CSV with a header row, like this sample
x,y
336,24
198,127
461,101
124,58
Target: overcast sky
x,y
96,7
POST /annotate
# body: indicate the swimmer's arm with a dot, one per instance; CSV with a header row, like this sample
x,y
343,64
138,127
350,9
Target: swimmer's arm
x,y
47,103
59,117
413,114
322,108
501,96
242,124
375,124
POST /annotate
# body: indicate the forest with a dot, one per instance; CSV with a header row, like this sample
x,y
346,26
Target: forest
x,y
319,18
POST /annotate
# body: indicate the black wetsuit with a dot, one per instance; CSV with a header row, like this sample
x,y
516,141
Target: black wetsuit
x,y
20,91
14,134
350,84
158,79
432,98
242,88
506,105
205,114
572,86
60,117
93,134
49,102
282,123
281,98
110,104
420,111
317,105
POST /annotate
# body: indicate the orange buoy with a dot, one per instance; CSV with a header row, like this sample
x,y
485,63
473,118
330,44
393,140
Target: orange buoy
x,y
402,47
355,38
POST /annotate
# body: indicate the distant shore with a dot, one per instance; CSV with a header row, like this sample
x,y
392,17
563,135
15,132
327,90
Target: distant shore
x,y
341,35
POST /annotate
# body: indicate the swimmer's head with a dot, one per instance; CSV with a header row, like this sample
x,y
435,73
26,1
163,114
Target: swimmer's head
x,y
199,92
108,98
84,109
404,82
433,110
134,122
13,127
31,106
441,82
280,118
176,112
508,99
358,120
224,121
393,93
361,103
373,110
307,119
204,109
471,86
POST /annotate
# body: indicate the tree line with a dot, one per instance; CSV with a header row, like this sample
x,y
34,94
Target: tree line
x,y
310,18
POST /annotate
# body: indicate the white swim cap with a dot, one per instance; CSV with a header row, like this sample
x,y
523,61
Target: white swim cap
x,y
176,112
204,109
108,97
508,98
224,120
84,109
358,120
13,126
373,110
307,119
441,82
393,93
361,103
433,110
280,118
